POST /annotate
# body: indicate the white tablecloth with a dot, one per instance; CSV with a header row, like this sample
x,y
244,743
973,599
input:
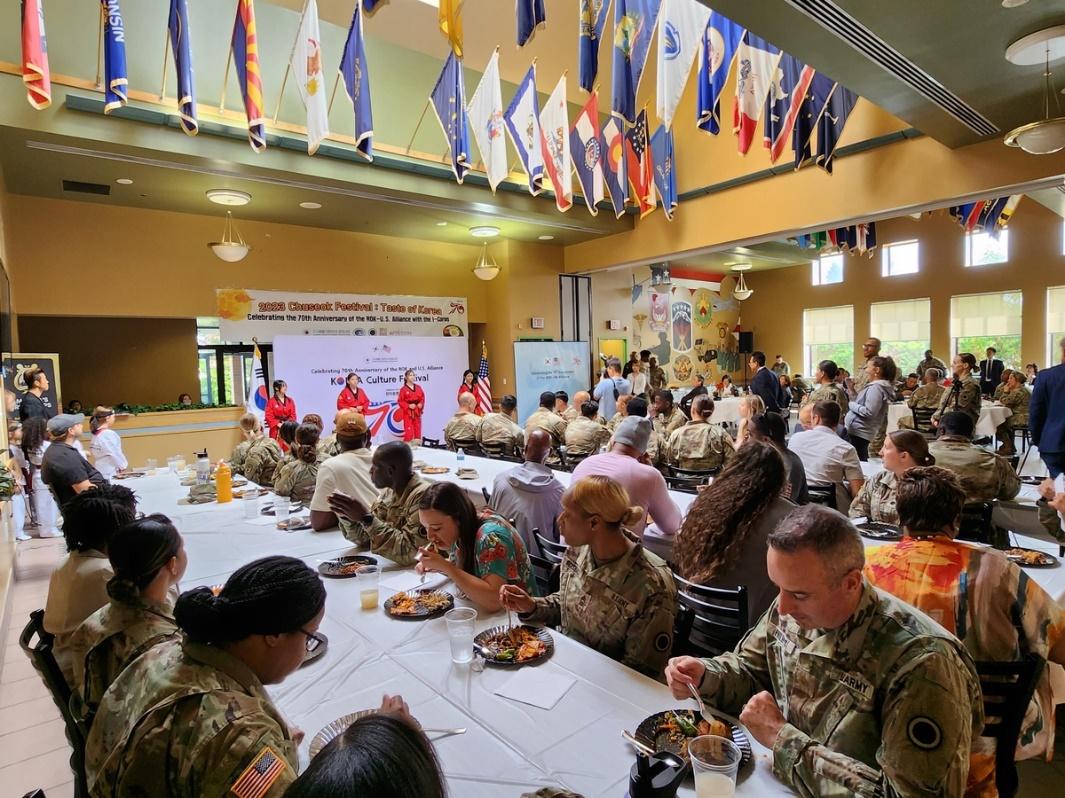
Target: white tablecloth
x,y
991,415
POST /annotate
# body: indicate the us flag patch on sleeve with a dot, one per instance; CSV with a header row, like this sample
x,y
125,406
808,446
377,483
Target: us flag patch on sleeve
x,y
260,775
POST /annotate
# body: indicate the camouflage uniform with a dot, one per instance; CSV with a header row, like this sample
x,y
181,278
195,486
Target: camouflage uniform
x,y
876,499
555,426
240,454
498,432
656,379
612,425
1017,401
328,447
1000,389
624,608
925,397
585,436
187,721
983,476
831,393
261,462
780,368
461,431
861,377
886,705
963,396
395,531
656,448
296,480
932,363
571,414
109,640
669,424
699,445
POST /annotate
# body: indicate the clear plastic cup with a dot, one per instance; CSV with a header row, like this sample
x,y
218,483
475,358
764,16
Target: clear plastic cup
x,y
281,505
171,464
251,503
460,633
368,579
715,761
152,464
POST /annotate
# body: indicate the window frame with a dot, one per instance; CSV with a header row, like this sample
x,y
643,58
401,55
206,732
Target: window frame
x,y
819,269
885,257
1003,240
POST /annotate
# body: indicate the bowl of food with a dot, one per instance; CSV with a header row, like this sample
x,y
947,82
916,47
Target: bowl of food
x,y
514,646
672,729
419,605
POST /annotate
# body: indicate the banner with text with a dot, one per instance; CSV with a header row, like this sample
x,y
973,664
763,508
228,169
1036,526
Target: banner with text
x,y
548,366
245,314
15,368
315,370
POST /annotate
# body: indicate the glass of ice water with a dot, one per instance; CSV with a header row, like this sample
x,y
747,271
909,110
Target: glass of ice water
x,y
460,633
715,761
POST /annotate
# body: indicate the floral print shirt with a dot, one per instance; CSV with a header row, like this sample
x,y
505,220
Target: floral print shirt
x,y
501,551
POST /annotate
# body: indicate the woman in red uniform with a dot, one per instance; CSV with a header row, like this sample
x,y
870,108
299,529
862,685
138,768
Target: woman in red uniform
x,y
352,397
280,408
468,379
411,405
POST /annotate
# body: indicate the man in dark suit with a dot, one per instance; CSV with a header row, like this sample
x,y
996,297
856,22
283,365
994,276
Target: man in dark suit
x,y
765,383
990,372
1046,415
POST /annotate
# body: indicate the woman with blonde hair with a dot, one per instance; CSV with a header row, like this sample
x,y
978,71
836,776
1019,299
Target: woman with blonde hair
x,y
602,553
106,446
750,405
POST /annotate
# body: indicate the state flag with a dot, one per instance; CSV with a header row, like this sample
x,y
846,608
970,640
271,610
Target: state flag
x,y
665,169
634,24
830,127
530,17
586,146
810,110
522,119
681,26
310,79
614,166
178,27
486,119
757,63
116,81
638,165
245,45
554,135
717,51
449,103
592,20
355,73
784,102
35,73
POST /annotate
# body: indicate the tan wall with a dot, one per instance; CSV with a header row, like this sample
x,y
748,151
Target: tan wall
x,y
161,435
775,312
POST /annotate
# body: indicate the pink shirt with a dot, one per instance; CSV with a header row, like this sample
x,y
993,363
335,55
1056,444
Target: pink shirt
x,y
644,484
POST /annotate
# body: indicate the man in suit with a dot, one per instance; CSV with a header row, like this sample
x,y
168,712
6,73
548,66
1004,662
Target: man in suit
x,y
1046,415
990,372
765,383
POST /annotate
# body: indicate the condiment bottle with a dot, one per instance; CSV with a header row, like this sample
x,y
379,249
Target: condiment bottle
x,y
223,479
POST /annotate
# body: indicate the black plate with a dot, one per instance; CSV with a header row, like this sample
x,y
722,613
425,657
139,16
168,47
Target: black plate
x,y
318,653
1052,560
330,567
645,733
294,522
423,614
482,638
293,508
876,530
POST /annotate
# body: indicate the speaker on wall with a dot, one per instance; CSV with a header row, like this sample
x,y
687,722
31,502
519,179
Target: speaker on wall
x,y
747,342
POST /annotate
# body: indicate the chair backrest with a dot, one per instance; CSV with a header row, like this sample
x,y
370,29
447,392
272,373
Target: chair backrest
x,y
700,475
822,494
432,443
682,484
711,621
546,572
1007,689
922,419
487,496
550,549
975,523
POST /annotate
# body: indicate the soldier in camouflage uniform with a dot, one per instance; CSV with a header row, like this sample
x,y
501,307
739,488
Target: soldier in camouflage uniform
x,y
931,362
964,393
586,435
700,445
391,527
855,692
668,417
261,461
1002,385
983,476
876,500
573,411
870,349
1016,398
927,397
498,433
296,478
827,389
656,376
552,423
251,429
622,411
461,430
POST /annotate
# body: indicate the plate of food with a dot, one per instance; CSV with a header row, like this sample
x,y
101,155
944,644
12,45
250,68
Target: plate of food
x,y
1029,480
467,473
877,530
672,729
241,494
345,567
419,605
319,651
435,470
513,646
292,524
1031,558
295,507
335,729
129,474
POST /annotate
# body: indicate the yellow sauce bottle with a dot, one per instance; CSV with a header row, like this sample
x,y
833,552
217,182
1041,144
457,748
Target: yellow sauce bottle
x,y
223,480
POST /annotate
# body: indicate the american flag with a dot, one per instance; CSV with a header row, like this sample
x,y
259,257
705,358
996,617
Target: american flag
x,y
260,775
482,389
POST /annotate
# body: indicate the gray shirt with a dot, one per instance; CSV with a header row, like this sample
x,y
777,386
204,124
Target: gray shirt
x,y
606,393
532,496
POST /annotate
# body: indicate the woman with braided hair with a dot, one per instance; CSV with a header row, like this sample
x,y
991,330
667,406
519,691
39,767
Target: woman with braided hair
x,y
296,477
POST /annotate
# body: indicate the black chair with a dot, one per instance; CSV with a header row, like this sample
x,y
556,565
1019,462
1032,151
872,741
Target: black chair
x,y
696,476
711,620
922,421
40,654
822,494
681,484
975,523
487,496
432,443
550,549
546,572
1007,689
1025,434
574,460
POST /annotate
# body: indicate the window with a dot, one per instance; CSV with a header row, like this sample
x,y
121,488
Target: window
x,y
828,334
982,249
900,258
828,269
1055,323
903,329
978,321
224,368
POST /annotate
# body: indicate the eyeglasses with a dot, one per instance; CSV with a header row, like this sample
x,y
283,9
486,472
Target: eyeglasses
x,y
313,640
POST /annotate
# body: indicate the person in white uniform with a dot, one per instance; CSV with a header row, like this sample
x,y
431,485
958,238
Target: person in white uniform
x,y
106,446
45,511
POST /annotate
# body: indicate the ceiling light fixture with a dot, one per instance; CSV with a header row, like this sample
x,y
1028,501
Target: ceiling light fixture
x,y
486,268
484,231
232,247
124,181
741,291
228,196
1013,3
441,224
311,206
546,238
1048,134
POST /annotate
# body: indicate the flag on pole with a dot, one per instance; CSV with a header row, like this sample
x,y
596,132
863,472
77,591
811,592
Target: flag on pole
x,y
449,104
246,59
680,30
810,110
720,41
116,80
451,25
758,61
634,24
665,169
486,117
558,160
355,73
522,119
482,389
531,15
614,166
310,79
638,165
830,126
1005,214
783,103
370,6
592,22
586,146
35,72
186,86
257,394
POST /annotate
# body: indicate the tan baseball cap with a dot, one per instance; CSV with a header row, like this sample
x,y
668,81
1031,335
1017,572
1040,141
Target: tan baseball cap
x,y
351,425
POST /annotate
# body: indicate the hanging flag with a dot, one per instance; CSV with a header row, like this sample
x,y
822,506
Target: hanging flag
x,y
758,61
370,6
531,15
783,103
355,73
720,41
451,25
665,169
811,108
246,60
255,402
116,80
638,165
523,123
987,219
614,166
1006,214
558,160
186,86
586,145
830,126
449,103
482,389
486,117
634,24
593,14
35,72
681,27
310,79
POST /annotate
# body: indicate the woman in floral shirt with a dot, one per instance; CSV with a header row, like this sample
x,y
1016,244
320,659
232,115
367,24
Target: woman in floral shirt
x,y
486,552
